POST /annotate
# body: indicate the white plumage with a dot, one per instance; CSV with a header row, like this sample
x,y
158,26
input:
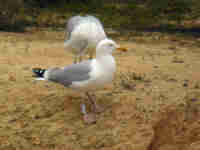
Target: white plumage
x,y
83,35
87,75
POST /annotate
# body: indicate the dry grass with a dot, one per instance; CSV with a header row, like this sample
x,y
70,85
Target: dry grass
x,y
152,105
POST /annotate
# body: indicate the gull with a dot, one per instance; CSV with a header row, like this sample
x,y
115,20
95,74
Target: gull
x,y
86,76
83,34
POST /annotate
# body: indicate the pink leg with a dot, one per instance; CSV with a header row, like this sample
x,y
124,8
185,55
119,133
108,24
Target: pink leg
x,y
96,108
88,118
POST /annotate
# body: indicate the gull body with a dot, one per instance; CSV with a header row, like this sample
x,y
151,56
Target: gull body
x,y
85,76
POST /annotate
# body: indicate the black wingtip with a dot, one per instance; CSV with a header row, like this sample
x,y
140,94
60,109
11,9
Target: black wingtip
x,y
38,72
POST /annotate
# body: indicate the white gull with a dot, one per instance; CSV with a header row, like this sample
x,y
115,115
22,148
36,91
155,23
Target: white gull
x,y
83,33
85,76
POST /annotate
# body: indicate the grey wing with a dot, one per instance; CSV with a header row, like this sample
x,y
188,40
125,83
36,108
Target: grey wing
x,y
72,23
70,74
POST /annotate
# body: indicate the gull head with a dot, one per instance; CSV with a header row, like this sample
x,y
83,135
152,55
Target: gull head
x,y
106,46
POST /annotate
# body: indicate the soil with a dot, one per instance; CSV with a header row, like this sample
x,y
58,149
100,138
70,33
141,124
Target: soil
x,y
153,103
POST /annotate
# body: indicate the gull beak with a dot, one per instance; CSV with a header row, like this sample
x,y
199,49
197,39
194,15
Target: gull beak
x,y
123,49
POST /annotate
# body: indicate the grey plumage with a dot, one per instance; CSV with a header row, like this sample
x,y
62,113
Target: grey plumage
x,y
86,76
70,74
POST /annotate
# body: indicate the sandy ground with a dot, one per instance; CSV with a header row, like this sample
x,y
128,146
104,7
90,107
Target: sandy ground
x,y
153,103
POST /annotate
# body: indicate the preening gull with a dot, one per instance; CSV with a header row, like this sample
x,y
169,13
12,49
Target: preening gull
x,y
86,76
83,33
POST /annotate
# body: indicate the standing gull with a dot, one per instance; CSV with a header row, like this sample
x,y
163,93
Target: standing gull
x,y
83,33
85,76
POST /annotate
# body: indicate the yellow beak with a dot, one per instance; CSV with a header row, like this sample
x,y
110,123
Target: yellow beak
x,y
123,49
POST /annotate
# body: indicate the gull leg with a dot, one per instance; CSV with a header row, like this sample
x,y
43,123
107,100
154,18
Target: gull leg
x,y
75,59
88,118
81,54
96,108
90,55
80,58
83,109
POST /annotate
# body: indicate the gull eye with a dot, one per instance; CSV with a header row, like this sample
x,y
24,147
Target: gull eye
x,y
110,45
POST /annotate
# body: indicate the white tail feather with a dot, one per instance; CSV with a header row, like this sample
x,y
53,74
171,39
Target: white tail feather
x,y
40,79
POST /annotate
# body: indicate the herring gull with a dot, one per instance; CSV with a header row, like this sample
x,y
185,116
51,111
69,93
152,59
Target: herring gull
x,y
82,35
86,76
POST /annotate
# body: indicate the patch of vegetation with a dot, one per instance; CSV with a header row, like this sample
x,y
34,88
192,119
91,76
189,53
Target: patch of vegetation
x,y
129,80
129,14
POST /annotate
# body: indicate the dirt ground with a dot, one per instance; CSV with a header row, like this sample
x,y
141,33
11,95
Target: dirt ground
x,y
153,103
